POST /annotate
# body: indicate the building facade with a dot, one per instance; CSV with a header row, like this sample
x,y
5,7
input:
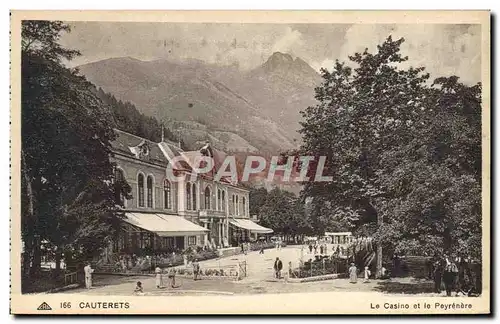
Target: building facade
x,y
167,215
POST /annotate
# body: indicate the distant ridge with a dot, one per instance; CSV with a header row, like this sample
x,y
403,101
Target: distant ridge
x,y
256,110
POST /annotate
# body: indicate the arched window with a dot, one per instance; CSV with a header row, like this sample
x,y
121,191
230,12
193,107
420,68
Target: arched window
x,y
150,191
244,206
140,189
208,197
194,196
119,182
188,196
167,194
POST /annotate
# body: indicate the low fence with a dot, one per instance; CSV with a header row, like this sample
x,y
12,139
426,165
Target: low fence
x,y
70,278
236,271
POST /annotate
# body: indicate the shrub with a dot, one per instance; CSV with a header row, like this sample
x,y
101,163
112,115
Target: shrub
x,y
317,268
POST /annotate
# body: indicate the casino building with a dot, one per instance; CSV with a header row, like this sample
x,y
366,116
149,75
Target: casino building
x,y
164,215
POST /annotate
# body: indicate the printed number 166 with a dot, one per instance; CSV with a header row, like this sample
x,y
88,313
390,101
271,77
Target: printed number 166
x,y
66,305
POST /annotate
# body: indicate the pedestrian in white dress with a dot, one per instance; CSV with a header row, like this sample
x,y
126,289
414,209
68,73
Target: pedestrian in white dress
x,y
88,275
159,277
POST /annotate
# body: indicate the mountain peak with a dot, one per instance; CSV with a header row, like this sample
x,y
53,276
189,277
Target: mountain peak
x,y
285,57
285,63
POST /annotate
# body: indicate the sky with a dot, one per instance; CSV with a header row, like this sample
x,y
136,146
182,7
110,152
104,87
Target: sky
x,y
443,49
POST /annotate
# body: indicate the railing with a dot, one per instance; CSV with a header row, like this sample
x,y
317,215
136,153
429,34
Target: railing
x,y
70,278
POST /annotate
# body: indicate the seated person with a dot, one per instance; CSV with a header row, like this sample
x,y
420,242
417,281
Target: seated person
x,y
138,289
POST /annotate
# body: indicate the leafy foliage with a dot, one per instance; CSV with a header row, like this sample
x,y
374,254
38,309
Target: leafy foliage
x,y
282,211
128,118
68,195
400,149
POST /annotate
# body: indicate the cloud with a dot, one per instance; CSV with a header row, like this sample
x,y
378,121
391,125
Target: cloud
x,y
443,50
287,42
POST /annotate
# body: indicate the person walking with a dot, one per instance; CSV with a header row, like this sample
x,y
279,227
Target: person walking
x,y
159,278
310,248
278,266
171,276
367,274
88,275
353,273
196,269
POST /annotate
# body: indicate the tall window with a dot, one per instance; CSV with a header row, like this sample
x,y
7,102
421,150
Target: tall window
x,y
208,198
244,207
191,240
233,205
140,189
219,198
223,200
167,194
119,181
237,212
150,191
193,187
188,196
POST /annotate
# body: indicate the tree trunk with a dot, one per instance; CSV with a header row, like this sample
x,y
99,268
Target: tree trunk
x,y
36,261
58,258
28,251
378,272
32,245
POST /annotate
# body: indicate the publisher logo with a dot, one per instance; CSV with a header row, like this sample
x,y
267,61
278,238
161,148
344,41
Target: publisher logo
x,y
44,306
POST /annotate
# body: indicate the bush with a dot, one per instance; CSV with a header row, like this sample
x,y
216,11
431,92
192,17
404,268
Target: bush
x,y
316,268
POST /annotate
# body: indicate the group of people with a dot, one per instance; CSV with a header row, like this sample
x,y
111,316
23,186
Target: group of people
x,y
323,248
128,262
171,275
456,274
353,274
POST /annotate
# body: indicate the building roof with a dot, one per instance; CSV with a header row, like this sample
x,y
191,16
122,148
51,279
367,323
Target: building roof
x,y
166,152
125,143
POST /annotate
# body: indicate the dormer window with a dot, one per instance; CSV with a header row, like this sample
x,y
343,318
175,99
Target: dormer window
x,y
145,150
141,151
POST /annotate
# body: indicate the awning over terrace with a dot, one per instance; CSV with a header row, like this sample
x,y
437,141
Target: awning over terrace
x,y
251,226
164,225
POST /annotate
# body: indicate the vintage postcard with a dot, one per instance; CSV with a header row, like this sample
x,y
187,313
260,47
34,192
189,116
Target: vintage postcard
x,y
284,162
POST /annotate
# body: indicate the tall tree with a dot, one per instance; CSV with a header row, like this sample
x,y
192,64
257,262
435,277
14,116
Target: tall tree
x,y
66,132
284,213
257,198
372,123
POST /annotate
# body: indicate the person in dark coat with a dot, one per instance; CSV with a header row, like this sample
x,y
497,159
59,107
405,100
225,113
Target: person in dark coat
x,y
310,248
437,275
464,277
450,276
196,269
278,266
